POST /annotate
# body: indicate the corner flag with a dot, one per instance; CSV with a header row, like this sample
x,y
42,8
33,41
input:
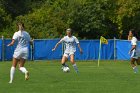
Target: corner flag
x,y
102,41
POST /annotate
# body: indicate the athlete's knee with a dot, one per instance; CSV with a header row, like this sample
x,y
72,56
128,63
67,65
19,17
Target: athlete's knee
x,y
132,62
19,68
72,61
14,65
64,58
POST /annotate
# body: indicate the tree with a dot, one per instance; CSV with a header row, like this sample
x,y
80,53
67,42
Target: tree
x,y
88,18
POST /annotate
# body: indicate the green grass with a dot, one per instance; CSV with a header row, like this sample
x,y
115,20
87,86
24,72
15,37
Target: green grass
x,y
47,77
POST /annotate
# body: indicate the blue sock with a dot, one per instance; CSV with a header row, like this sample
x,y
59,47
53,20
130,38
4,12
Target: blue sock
x,y
135,69
75,68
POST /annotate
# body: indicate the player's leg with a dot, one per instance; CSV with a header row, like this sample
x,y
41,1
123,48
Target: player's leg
x,y
12,71
133,60
64,60
23,69
73,62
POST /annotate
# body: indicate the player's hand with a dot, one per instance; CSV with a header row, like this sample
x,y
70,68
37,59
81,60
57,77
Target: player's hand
x,y
32,41
9,45
53,49
129,52
81,51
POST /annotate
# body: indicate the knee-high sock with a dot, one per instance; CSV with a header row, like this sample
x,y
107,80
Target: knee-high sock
x,y
23,69
75,67
135,69
12,72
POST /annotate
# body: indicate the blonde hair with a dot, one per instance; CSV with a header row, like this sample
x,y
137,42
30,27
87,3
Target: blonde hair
x,y
69,29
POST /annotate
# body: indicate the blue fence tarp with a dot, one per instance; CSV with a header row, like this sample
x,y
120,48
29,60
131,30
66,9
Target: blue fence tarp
x,y
8,51
91,50
0,49
122,49
43,50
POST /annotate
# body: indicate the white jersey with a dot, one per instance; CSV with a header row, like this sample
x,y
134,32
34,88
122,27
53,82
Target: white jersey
x,y
134,41
69,43
135,52
22,38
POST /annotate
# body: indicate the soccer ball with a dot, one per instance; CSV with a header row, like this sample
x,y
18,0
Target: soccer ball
x,y
66,69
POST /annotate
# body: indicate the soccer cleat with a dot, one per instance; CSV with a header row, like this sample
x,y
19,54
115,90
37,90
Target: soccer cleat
x,y
135,70
27,75
62,67
10,82
77,71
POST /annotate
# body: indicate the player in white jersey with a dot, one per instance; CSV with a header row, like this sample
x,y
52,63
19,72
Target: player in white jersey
x,y
21,52
70,48
134,50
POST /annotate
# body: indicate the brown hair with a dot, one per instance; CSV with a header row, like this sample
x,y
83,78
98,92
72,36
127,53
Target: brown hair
x,y
20,23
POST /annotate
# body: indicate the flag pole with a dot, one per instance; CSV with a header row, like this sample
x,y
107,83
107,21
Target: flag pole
x,y
99,54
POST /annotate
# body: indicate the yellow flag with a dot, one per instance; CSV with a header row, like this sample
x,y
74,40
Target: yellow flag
x,y
103,40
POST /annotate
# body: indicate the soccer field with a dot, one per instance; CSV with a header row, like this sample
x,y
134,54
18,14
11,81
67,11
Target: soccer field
x,y
47,77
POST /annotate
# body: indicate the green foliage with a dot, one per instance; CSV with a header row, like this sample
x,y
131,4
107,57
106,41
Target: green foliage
x,y
124,11
88,18
5,20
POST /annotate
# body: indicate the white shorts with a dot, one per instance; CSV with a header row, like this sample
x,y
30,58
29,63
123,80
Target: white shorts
x,y
67,54
21,53
134,54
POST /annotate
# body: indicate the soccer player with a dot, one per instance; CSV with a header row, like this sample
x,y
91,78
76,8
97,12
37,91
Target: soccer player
x,y
70,49
133,51
21,52
129,35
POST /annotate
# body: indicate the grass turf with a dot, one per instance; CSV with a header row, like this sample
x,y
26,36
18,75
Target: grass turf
x,y
47,77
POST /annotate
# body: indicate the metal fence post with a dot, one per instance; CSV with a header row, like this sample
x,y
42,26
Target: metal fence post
x,y
63,48
3,49
32,51
114,48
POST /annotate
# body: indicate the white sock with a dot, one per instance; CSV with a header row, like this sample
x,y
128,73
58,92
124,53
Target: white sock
x,y
23,69
12,72
134,67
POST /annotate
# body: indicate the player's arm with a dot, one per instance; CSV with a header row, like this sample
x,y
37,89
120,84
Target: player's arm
x,y
57,44
12,43
133,47
13,39
77,41
81,51
30,40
